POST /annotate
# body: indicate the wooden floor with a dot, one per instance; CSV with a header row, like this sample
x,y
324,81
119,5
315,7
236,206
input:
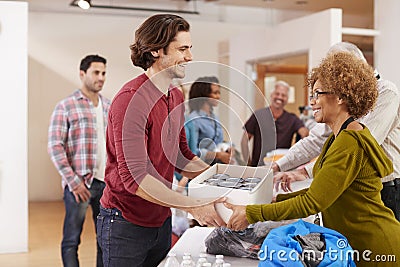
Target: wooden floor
x,y
45,232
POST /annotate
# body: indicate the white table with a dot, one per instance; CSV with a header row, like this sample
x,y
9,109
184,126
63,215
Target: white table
x,y
192,241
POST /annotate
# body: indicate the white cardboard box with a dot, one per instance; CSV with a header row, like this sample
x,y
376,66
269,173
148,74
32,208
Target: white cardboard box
x,y
260,194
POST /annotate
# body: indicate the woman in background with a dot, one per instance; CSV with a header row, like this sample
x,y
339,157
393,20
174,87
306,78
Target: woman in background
x,y
206,136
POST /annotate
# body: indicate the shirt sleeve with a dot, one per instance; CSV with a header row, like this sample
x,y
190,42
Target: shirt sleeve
x,y
305,149
130,146
297,123
191,136
194,136
250,125
387,103
57,141
185,152
342,163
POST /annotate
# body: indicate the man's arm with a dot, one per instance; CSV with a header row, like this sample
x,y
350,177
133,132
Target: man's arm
x,y
57,136
387,105
303,132
195,167
57,139
305,149
202,209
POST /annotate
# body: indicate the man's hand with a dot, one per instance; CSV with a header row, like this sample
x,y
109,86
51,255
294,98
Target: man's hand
x,y
275,167
238,220
182,184
224,157
284,179
81,193
206,214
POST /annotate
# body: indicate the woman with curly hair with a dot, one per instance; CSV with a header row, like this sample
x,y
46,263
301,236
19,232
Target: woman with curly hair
x,y
346,186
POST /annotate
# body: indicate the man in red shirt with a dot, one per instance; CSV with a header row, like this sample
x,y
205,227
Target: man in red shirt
x,y
146,142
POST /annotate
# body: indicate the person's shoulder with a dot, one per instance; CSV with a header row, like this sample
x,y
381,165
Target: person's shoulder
x,y
105,100
192,115
291,115
262,111
75,96
176,91
351,135
134,84
386,84
388,87
130,87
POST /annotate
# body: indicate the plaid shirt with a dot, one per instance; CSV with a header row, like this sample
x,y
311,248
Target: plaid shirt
x,y
72,140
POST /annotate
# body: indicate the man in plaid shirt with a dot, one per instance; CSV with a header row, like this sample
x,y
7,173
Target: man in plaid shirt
x,y
76,146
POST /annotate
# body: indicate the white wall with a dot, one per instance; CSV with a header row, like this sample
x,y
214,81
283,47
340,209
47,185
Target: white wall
x,y
13,121
386,45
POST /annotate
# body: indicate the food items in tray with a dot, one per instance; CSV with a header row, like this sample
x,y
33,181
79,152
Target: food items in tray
x,y
225,180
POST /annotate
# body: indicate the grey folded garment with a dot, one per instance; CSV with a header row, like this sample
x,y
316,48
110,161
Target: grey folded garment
x,y
246,243
313,246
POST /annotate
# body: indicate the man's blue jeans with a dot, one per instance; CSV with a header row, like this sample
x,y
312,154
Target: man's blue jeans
x,y
125,244
73,222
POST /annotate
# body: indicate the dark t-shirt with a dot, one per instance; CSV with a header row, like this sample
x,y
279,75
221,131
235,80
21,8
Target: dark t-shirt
x,y
145,135
269,134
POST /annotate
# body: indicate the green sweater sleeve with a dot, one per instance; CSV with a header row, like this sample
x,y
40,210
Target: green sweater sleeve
x,y
334,172
282,197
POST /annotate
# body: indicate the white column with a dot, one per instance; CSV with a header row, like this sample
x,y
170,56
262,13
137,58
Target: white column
x,y
13,121
386,44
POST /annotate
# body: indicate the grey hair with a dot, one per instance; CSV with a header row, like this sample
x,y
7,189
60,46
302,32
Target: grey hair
x,y
347,47
282,83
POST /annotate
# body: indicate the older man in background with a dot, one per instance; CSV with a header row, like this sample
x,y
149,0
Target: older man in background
x,y
262,124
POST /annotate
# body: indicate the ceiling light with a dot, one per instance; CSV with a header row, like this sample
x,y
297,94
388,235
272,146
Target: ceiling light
x,y
84,4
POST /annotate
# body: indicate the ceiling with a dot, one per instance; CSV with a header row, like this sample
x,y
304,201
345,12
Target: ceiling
x,y
356,13
351,7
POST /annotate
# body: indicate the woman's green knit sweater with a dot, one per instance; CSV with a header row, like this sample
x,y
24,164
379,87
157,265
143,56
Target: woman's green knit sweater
x,y
346,189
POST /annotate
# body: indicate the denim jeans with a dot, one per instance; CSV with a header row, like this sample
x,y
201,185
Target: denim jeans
x,y
391,198
125,244
73,222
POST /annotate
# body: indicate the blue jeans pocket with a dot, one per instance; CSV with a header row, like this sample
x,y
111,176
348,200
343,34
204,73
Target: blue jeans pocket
x,y
99,227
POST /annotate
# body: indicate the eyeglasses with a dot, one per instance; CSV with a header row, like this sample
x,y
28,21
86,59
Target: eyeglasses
x,y
316,94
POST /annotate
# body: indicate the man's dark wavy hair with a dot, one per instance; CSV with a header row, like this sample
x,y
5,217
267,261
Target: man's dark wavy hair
x,y
87,61
157,32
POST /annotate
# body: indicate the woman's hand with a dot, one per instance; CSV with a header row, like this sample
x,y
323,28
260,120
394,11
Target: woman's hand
x,y
238,220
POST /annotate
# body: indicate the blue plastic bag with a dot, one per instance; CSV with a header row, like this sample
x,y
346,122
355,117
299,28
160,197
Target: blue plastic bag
x,y
282,248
